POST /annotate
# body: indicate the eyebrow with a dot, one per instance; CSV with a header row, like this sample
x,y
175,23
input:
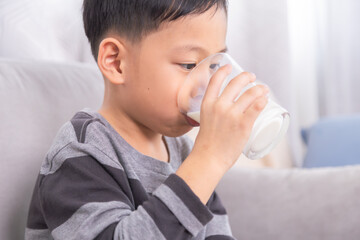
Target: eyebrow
x,y
196,48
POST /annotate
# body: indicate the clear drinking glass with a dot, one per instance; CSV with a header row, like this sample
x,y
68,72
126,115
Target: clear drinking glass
x,y
270,126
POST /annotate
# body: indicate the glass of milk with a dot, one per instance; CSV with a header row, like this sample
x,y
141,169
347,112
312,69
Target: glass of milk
x,y
269,128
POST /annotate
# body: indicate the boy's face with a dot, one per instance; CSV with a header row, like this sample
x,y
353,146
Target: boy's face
x,y
160,64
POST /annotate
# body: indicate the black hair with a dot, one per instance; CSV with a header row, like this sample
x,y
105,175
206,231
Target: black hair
x,y
133,19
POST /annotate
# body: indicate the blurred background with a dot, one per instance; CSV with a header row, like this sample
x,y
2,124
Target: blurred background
x,y
307,51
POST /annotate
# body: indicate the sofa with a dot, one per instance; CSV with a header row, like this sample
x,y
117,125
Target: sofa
x,y
37,97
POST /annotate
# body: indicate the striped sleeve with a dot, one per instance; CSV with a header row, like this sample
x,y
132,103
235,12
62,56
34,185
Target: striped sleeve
x,y
84,199
218,228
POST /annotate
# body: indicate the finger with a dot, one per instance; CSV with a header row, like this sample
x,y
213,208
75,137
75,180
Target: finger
x,y
250,96
253,111
213,89
237,85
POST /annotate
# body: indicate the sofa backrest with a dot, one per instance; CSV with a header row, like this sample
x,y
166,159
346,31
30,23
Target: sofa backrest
x,y
36,98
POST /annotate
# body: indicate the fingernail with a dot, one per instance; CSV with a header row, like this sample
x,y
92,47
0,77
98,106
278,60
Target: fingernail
x,y
253,75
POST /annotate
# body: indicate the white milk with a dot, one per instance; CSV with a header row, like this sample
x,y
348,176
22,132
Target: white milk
x,y
265,135
269,128
194,115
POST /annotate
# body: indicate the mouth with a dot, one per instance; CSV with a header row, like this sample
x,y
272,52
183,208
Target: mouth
x,y
191,121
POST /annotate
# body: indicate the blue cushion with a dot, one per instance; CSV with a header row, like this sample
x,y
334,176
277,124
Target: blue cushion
x,y
333,141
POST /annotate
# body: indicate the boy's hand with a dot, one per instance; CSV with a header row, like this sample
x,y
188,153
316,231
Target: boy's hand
x,y
225,126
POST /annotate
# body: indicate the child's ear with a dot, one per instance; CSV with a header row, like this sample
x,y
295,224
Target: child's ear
x,y
111,60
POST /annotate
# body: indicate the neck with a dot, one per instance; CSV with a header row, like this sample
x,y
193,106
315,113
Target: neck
x,y
143,139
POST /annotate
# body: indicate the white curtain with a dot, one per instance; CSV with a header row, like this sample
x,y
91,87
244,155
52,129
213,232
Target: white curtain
x,y
307,51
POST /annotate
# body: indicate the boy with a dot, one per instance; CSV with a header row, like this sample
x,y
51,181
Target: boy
x,y
126,171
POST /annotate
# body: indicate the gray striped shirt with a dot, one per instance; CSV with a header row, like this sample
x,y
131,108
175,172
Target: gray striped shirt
x,y
94,185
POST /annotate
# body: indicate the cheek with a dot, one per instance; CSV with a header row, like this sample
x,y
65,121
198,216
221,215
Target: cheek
x,y
158,84
164,90
165,83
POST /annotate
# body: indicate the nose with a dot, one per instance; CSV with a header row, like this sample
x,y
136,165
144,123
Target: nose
x,y
199,79
195,86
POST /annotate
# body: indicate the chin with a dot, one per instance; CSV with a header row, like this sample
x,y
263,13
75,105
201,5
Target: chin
x,y
177,131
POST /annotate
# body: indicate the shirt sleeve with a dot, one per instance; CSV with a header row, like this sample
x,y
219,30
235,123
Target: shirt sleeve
x,y
84,199
218,228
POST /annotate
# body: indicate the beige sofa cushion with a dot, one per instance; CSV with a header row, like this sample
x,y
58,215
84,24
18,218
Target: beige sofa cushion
x,y
36,98
293,204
